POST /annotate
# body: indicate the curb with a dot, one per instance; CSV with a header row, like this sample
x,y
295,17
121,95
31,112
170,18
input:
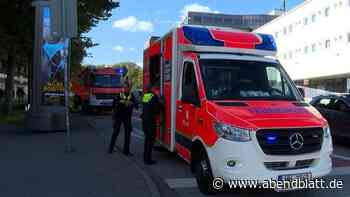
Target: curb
x,y
151,185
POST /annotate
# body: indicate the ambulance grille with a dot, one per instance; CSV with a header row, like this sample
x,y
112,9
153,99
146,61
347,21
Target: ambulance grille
x,y
105,96
280,143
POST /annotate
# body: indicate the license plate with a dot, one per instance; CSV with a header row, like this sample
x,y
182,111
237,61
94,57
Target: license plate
x,y
292,177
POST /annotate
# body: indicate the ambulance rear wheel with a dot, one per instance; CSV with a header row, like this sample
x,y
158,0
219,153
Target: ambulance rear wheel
x,y
204,175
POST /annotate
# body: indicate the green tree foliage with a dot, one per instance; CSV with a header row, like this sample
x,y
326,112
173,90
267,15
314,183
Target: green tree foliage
x,y
17,19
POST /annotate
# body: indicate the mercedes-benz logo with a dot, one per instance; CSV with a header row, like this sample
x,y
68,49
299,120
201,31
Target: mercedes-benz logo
x,y
296,141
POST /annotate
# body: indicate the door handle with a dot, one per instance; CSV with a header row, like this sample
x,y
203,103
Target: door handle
x,y
180,107
200,120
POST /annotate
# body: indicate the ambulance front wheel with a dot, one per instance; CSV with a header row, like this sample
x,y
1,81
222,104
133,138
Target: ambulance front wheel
x,y
204,175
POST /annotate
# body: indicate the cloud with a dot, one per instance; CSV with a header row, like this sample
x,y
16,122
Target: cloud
x,y
118,48
195,7
132,24
132,49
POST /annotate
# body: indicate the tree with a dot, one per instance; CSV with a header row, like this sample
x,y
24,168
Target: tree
x,y
16,38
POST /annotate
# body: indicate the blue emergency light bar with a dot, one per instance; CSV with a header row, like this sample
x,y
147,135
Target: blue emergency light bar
x,y
203,37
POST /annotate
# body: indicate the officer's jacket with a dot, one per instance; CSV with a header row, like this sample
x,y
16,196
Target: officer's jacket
x,y
123,104
151,106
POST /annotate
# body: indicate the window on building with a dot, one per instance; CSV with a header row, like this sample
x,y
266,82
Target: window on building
x,y
328,44
348,37
285,30
276,35
306,49
285,56
306,20
326,11
290,28
313,18
290,54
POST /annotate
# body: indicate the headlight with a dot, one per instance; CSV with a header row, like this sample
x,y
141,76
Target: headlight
x,y
326,132
232,133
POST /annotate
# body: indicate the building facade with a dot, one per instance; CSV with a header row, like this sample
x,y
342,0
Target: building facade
x,y
313,41
242,22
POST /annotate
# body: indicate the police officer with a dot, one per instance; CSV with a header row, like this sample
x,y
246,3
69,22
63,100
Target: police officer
x,y
123,106
150,110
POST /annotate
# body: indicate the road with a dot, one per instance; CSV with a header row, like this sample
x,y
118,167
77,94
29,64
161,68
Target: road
x,y
174,178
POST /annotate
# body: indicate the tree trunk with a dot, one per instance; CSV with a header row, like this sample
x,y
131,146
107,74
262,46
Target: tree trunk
x,y
9,83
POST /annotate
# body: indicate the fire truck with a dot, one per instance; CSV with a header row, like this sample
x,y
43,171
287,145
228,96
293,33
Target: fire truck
x,y
231,110
95,88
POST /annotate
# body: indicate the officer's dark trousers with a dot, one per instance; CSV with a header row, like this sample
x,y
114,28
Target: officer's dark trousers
x,y
127,135
149,128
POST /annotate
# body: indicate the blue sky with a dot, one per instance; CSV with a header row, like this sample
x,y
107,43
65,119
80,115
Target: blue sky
x,y
123,36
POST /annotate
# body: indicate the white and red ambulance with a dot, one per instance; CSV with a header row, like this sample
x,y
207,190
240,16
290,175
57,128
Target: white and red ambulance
x,y
231,110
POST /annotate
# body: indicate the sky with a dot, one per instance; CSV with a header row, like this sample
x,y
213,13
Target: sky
x,y
122,38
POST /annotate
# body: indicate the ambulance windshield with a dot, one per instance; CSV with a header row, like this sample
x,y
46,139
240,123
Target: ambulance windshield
x,y
245,80
107,81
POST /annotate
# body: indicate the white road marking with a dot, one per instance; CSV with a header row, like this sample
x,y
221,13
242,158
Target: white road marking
x,y
340,157
138,134
181,183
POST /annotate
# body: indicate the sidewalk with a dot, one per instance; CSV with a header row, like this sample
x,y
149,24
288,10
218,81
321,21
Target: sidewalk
x,y
35,165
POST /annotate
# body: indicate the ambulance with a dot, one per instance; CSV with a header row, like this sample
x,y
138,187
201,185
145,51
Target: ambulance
x,y
230,109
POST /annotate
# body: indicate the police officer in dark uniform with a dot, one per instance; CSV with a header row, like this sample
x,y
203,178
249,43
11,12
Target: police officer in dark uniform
x,y
150,110
123,106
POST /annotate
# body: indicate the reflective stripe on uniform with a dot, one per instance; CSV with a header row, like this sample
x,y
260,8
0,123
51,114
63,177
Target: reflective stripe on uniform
x,y
147,97
123,97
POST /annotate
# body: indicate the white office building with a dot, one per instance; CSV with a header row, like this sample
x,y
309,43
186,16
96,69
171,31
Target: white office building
x,y
313,40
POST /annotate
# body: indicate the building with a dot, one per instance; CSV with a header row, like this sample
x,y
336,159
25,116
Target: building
x,y
20,82
243,22
313,40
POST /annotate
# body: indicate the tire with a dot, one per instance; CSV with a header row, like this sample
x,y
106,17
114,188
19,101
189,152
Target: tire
x,y
203,173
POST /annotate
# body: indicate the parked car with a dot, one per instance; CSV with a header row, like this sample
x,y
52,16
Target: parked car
x,y
336,109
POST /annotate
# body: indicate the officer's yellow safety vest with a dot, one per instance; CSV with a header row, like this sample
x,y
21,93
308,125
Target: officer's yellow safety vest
x,y
147,97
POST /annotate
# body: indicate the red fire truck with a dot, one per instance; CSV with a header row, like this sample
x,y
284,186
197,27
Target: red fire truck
x,y
95,88
231,110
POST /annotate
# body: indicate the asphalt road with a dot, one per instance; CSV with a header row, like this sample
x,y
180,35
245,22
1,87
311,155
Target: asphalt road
x,y
174,178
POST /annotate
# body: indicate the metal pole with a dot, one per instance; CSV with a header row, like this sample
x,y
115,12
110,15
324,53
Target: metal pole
x,y
69,148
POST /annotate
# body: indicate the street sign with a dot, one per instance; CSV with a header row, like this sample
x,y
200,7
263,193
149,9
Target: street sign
x,y
64,18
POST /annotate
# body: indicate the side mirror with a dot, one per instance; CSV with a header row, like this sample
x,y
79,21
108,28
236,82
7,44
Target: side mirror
x,y
302,92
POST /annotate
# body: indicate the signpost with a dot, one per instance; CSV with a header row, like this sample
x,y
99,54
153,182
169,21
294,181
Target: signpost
x,y
64,24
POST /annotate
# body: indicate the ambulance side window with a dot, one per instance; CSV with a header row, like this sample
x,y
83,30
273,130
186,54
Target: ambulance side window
x,y
189,85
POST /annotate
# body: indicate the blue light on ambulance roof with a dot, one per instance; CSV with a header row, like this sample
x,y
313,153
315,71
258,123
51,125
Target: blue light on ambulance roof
x,y
200,36
271,138
268,44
